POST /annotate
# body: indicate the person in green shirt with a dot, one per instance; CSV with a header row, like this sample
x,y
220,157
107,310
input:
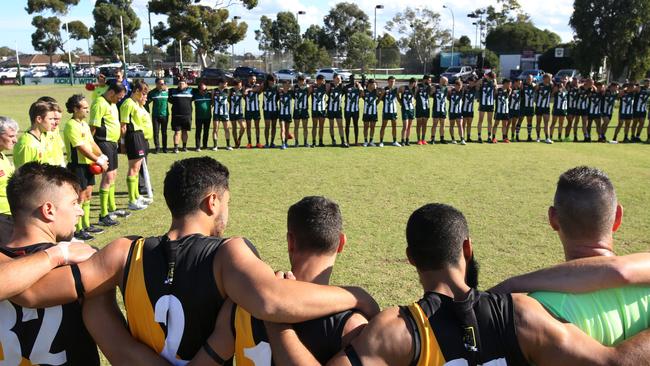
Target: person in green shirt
x,y
586,291
159,114
54,145
8,133
202,115
81,151
104,124
31,146
136,124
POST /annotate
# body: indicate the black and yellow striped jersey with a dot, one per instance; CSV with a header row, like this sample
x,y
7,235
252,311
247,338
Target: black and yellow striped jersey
x,y
49,336
172,309
321,336
478,330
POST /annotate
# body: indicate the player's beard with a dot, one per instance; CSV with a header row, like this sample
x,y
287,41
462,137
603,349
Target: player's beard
x,y
219,227
471,273
66,237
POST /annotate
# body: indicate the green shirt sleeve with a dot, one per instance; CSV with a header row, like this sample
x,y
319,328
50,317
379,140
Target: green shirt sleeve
x,y
25,153
97,112
126,110
72,134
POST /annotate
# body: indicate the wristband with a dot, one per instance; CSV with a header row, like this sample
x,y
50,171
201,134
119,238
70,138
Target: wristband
x,y
122,141
65,251
102,159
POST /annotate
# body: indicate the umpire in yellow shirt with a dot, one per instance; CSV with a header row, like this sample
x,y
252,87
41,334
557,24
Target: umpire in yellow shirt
x,y
8,133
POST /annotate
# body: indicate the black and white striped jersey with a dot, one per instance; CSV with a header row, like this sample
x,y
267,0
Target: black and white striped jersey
x,y
334,98
236,97
515,100
469,95
318,98
406,99
487,93
423,94
528,95
220,98
440,99
627,104
301,98
502,101
455,101
390,100
583,99
573,96
544,95
352,94
285,98
252,99
609,100
595,101
641,102
370,102
271,99
561,100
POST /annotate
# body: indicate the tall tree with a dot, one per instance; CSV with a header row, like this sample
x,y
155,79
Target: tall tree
x,y
319,36
506,11
463,43
387,51
361,51
618,30
280,35
106,30
518,36
420,32
47,36
309,56
207,29
344,20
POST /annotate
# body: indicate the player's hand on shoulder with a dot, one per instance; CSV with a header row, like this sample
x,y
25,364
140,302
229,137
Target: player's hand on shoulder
x,y
71,252
365,302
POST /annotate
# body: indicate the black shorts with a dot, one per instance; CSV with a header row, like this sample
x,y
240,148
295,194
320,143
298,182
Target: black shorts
x,y
318,114
594,115
422,113
501,116
455,116
161,120
439,115
583,112
528,112
560,112
352,115
608,116
372,118
181,123
335,114
641,115
572,112
515,113
136,145
84,176
300,114
540,111
625,116
252,115
221,117
469,115
389,116
486,108
285,118
109,149
269,115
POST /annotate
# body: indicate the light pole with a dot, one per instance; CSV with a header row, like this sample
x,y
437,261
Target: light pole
x,y
69,56
234,19
150,40
476,35
453,28
479,24
375,32
300,12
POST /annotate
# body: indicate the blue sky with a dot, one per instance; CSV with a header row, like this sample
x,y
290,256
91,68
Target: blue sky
x,y
16,28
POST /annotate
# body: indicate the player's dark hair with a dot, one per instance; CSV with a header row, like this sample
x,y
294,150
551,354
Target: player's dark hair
x,y
189,181
140,85
391,77
31,179
320,77
270,77
426,76
505,81
352,77
40,109
237,81
371,81
413,80
159,79
74,102
316,224
435,234
585,202
300,78
116,88
47,99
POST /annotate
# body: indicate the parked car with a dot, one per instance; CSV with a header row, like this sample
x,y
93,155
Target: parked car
x,y
568,73
41,72
8,73
536,73
139,71
210,76
328,73
287,74
458,72
243,72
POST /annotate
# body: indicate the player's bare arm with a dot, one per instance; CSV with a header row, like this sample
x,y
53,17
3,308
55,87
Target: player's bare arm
x,y
583,275
251,283
546,341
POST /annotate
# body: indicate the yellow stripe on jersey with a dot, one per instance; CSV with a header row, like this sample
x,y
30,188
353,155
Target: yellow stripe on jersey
x,y
430,353
139,312
243,337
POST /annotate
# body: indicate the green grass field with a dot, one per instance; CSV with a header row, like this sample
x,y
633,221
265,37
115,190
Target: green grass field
x,y
504,190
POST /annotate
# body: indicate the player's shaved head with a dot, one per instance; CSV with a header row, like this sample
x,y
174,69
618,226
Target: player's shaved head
x,y
435,234
316,225
189,181
34,184
585,203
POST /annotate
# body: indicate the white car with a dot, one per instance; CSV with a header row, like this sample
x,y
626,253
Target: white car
x,y
40,72
10,72
328,73
287,74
